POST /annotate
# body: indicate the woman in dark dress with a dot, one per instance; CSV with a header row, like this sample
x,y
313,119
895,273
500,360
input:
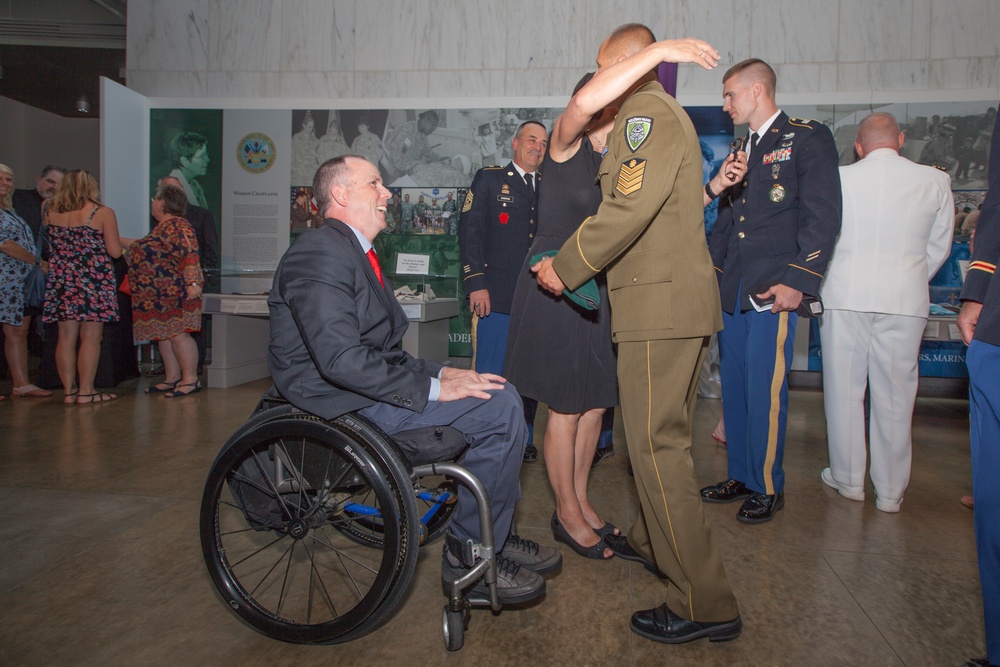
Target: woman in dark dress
x,y
557,352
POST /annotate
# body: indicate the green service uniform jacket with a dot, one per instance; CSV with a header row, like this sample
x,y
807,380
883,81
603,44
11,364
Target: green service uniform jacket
x,y
649,232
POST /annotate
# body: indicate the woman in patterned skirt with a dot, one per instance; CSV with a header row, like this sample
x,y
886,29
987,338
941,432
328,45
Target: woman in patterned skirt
x,y
166,280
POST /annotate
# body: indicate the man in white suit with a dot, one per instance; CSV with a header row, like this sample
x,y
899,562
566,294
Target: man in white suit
x,y
897,231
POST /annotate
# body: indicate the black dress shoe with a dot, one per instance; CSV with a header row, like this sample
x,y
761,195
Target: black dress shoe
x,y
619,544
663,625
759,507
725,492
530,454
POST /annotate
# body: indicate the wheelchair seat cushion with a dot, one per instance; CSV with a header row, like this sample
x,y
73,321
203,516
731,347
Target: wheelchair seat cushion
x,y
432,444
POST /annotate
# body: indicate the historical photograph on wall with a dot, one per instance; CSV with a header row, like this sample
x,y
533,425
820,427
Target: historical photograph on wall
x,y
952,136
187,144
322,134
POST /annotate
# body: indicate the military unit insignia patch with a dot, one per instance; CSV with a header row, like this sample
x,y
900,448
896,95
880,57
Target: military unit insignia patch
x,y
637,130
630,176
777,193
467,206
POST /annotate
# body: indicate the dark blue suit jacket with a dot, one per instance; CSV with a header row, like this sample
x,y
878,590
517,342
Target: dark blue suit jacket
x,y
495,231
335,330
981,283
779,225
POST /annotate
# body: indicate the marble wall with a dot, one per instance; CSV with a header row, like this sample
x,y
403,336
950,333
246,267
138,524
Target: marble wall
x,y
365,50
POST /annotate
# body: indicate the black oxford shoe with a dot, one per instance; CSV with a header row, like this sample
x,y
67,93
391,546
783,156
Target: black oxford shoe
x,y
759,507
725,492
662,625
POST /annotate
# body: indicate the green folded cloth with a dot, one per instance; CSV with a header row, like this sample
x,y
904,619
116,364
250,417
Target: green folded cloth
x,y
586,295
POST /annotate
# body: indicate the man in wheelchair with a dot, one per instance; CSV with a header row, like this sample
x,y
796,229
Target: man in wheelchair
x,y
335,327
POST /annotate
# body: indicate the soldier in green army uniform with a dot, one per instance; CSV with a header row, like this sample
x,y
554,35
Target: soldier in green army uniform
x,y
648,234
450,207
407,145
420,211
406,209
367,144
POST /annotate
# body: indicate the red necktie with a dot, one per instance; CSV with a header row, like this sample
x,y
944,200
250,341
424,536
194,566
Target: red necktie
x,y
373,258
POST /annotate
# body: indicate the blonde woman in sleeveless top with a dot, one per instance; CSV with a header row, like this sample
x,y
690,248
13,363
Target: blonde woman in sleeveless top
x,y
81,292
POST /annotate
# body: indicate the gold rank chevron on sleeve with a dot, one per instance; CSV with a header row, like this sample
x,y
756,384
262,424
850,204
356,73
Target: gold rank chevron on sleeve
x,y
630,176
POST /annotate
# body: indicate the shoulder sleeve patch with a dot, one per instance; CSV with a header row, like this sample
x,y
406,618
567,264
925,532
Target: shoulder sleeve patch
x,y
637,130
630,176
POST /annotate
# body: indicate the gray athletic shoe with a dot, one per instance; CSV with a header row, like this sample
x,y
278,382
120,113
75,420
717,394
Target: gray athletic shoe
x,y
515,584
531,555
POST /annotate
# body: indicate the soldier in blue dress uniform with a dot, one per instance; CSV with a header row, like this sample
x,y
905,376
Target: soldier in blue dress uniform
x,y
979,322
770,246
495,231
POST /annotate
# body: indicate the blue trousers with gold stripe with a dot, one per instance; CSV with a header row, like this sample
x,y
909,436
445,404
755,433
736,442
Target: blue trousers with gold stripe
x,y
983,361
755,351
489,353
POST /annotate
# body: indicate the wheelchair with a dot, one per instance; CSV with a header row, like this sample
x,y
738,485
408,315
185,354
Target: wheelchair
x,y
310,528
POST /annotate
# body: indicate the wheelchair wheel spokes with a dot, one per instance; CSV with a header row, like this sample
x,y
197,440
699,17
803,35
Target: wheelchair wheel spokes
x,y
282,549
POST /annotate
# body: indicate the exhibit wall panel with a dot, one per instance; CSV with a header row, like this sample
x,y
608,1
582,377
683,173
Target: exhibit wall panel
x,y
125,156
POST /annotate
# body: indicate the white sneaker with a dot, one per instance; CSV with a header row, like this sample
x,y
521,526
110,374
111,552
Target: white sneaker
x,y
852,492
890,505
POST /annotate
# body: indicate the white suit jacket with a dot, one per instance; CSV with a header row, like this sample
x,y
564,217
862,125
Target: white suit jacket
x,y
899,218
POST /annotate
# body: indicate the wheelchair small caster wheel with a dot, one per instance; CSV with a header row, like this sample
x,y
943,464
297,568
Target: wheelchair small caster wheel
x,y
454,624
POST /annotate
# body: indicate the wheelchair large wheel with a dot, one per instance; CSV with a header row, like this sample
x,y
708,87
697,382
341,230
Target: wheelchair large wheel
x,y
277,504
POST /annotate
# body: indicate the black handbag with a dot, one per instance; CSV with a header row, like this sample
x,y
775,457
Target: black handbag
x,y
34,282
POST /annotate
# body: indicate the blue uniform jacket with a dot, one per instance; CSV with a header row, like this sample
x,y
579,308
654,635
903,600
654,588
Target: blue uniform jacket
x,y
779,225
495,232
981,283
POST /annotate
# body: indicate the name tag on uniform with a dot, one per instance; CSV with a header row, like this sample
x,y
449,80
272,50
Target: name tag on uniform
x,y
505,198
781,155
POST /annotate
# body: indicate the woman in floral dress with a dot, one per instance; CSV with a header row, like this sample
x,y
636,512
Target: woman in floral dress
x,y
81,292
17,254
166,281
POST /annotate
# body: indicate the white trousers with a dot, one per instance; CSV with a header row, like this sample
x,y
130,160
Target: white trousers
x,y
879,351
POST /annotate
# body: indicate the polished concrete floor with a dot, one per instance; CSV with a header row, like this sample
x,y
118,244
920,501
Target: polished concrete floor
x,y
100,561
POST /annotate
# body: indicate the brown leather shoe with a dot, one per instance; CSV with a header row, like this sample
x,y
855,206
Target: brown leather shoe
x,y
725,492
